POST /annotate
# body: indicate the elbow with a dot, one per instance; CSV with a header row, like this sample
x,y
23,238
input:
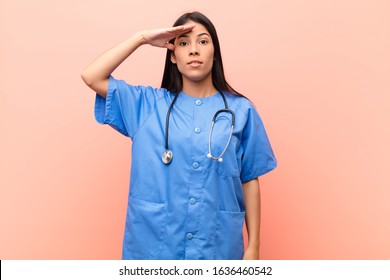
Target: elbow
x,y
98,86
86,79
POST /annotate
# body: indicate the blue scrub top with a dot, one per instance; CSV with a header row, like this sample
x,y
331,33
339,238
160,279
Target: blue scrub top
x,y
194,207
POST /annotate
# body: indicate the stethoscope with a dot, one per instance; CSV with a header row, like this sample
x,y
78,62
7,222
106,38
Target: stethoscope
x,y
168,156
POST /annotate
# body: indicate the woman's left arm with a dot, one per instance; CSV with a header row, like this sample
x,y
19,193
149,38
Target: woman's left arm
x,y
252,218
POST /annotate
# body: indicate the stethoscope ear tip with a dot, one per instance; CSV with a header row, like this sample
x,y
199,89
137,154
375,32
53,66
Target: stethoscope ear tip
x,y
218,159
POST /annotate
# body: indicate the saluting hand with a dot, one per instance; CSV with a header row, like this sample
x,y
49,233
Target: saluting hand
x,y
161,37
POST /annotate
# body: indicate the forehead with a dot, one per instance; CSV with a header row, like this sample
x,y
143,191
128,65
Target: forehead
x,y
197,30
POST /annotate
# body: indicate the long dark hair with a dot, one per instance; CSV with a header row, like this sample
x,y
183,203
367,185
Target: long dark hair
x,y
172,78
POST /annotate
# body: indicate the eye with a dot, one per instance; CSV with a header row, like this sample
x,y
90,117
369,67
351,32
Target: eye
x,y
203,42
183,43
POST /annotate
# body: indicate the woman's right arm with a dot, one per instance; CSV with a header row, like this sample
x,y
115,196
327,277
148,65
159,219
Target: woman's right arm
x,y
97,72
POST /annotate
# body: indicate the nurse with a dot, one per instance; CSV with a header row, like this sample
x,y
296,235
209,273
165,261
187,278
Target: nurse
x,y
191,187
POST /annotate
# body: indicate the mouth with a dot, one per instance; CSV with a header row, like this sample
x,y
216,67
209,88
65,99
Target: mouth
x,y
194,63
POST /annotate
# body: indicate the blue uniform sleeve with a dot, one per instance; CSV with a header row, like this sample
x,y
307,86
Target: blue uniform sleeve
x,y
258,157
125,107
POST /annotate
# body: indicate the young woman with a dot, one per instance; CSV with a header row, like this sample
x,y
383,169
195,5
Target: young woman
x,y
198,148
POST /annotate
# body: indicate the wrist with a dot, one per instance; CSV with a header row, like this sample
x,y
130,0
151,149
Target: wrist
x,y
253,244
140,38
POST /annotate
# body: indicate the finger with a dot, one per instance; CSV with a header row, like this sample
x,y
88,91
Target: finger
x,y
182,29
173,32
189,26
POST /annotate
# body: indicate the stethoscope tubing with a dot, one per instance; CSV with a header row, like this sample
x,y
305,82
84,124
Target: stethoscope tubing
x,y
167,121
167,155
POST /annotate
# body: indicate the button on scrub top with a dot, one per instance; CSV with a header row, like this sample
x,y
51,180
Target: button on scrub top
x,y
194,207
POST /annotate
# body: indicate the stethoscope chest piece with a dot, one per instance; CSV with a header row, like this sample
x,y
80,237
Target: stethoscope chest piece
x,y
167,157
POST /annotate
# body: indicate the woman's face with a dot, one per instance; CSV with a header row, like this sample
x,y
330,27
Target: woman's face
x,y
194,54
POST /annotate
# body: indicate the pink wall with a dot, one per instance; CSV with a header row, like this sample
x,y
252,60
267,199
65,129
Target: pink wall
x,y
318,72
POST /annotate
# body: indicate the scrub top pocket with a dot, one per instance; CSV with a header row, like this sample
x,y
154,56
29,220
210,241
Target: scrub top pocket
x,y
229,165
145,229
229,242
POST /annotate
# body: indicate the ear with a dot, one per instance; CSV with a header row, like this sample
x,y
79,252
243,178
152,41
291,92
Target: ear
x,y
173,58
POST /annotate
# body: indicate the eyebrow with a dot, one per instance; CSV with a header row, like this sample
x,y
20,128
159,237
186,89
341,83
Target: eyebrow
x,y
199,35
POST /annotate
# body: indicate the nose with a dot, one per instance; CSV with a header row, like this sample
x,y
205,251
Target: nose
x,y
194,50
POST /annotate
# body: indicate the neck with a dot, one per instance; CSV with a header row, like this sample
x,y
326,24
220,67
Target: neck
x,y
203,88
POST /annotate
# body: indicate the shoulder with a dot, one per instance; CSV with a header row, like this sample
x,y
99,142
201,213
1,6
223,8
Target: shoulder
x,y
240,104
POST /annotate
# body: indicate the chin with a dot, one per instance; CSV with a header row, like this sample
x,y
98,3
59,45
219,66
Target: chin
x,y
196,78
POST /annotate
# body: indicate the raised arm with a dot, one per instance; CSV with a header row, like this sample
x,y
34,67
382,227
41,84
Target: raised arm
x,y
97,72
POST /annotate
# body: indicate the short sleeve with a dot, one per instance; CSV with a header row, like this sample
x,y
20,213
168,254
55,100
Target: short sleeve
x,y
258,157
125,107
